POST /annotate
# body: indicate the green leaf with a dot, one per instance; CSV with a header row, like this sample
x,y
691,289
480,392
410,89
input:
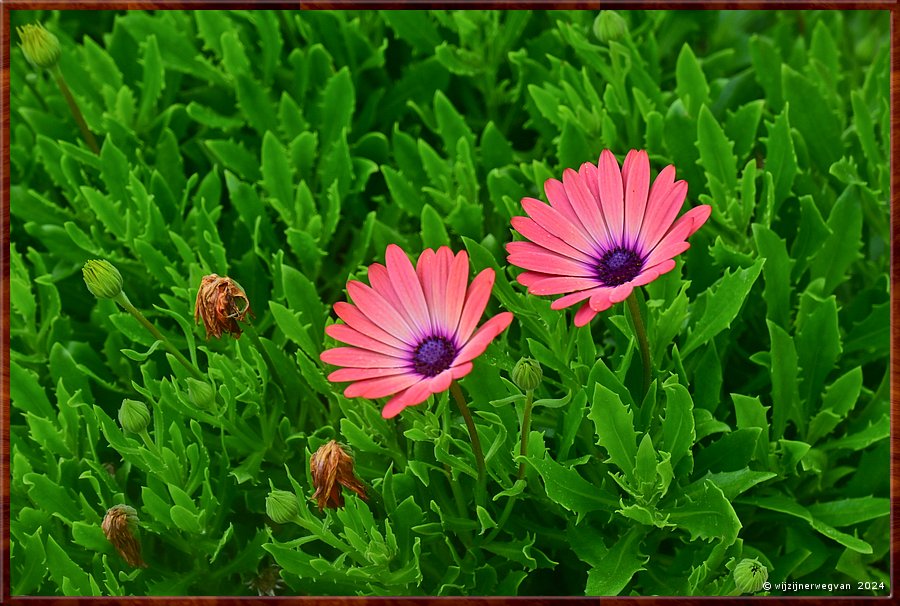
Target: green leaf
x,y
785,384
451,125
818,343
278,176
691,82
154,79
731,452
403,192
741,127
776,274
574,148
567,488
812,116
678,426
338,103
731,483
255,104
434,233
614,426
811,234
716,155
848,512
841,248
706,514
62,568
723,302
781,160
615,569
414,27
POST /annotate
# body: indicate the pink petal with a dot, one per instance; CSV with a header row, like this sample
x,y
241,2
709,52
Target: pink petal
x,y
447,315
359,322
558,285
441,383
559,200
476,300
381,312
416,394
620,293
576,297
600,301
360,358
427,269
612,197
584,315
347,335
589,175
360,374
672,243
550,263
652,273
541,237
528,278
408,288
556,224
483,337
587,208
665,200
636,180
461,370
382,284
379,388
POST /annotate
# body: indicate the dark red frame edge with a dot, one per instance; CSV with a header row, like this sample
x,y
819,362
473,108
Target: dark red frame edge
x,y
7,5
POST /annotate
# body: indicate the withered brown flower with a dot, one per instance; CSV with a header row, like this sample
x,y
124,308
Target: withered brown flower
x,y
331,468
267,581
221,302
120,528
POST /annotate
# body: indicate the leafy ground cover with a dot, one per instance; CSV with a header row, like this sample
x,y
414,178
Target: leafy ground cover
x,y
287,150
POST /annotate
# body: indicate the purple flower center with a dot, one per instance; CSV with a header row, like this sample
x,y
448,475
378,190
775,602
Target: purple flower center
x,y
619,265
433,356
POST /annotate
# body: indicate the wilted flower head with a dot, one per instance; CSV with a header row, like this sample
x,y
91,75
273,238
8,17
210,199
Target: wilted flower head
x,y
413,330
331,467
120,528
102,278
221,302
604,233
267,581
40,47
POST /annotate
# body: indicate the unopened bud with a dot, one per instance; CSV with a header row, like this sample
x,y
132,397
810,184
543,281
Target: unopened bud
x,y
202,394
282,506
750,575
40,47
609,26
102,279
134,417
120,527
527,374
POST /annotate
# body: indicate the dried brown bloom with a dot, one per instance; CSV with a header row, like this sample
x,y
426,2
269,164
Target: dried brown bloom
x,y
331,468
221,302
120,528
267,581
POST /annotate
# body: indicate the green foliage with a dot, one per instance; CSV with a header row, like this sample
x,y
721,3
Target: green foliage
x,y
288,149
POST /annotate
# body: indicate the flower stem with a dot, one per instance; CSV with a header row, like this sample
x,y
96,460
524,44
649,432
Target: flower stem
x,y
523,450
473,435
76,113
122,300
641,334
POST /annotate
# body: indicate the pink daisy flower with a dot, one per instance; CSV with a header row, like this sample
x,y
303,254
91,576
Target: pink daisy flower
x,y
412,332
604,233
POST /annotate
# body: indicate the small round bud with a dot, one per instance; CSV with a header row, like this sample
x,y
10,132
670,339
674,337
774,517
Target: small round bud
x,y
202,394
750,575
527,374
134,416
40,47
282,506
102,279
609,26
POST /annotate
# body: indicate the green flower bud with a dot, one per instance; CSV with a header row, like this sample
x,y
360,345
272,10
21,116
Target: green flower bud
x,y
202,394
609,27
40,47
527,374
102,279
282,506
134,416
750,575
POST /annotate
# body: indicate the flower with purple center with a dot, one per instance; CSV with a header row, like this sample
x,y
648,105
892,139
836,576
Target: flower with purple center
x,y
412,332
605,232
